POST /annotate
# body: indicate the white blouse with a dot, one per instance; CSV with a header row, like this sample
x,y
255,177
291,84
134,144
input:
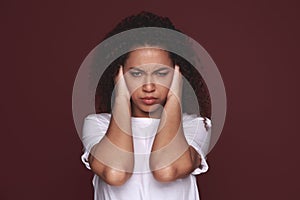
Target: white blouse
x,y
142,185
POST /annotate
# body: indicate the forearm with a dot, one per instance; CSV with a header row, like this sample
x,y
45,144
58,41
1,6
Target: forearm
x,y
112,158
172,157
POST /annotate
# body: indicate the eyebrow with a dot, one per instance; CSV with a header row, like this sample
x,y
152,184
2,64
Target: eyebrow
x,y
161,69
138,69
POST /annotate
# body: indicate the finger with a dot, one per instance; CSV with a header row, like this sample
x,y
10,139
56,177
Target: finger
x,y
119,74
120,84
176,68
177,71
176,86
177,77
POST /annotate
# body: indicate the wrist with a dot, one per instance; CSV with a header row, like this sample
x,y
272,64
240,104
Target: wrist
x,y
173,99
122,100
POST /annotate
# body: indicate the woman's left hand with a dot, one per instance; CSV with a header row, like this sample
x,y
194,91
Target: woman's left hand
x,y
176,85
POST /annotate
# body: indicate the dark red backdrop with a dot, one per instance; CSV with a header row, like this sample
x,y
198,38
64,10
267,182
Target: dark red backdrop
x,y
254,43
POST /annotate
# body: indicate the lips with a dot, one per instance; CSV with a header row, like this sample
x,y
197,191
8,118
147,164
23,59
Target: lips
x,y
149,100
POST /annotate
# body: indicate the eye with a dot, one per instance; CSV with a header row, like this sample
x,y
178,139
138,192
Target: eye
x,y
162,73
136,73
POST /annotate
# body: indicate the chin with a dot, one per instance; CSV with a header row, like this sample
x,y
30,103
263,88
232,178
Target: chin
x,y
155,110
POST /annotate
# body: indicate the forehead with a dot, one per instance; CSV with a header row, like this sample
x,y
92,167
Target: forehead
x,y
148,56
149,67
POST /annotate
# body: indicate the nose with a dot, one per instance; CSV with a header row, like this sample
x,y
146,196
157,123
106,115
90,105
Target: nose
x,y
149,85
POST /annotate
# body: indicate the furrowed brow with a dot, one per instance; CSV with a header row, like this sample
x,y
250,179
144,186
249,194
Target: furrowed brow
x,y
136,68
161,69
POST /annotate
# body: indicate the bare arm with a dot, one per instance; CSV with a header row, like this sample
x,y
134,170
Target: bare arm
x,y
112,158
172,157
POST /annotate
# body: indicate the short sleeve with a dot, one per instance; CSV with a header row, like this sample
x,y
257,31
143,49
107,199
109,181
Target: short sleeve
x,y
197,131
94,128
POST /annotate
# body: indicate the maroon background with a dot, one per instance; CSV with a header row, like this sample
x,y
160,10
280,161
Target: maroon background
x,y
255,44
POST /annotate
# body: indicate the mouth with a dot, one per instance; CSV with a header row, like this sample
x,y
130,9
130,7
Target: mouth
x,y
149,100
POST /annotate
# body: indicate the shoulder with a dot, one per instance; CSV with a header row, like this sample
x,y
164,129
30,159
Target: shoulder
x,y
188,119
99,117
94,120
96,123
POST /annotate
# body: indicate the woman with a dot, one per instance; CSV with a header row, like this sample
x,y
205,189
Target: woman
x,y
144,147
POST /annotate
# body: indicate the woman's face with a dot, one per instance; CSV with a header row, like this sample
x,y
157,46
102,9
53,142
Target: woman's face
x,y
148,73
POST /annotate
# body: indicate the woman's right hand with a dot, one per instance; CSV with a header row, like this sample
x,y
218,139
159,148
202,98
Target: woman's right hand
x,y
121,109
121,89
112,158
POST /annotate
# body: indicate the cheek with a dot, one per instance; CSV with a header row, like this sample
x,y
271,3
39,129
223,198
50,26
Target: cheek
x,y
163,91
133,83
164,81
135,96
134,88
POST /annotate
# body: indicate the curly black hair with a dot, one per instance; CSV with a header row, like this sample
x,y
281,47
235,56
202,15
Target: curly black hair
x,y
147,19
142,19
